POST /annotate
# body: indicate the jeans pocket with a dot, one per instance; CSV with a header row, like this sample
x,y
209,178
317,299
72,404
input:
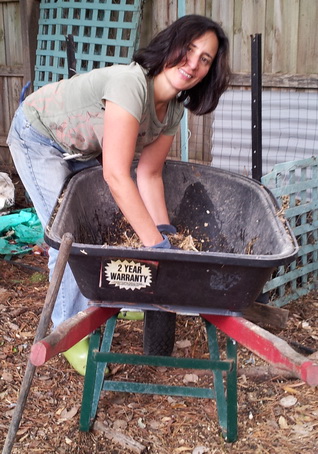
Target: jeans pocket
x,y
36,136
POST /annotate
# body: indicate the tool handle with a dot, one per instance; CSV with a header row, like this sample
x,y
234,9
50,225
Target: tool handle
x,y
45,318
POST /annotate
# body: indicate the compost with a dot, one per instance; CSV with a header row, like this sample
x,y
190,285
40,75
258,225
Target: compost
x,y
121,234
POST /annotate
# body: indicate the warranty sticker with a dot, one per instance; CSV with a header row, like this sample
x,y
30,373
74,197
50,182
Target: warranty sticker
x,y
128,274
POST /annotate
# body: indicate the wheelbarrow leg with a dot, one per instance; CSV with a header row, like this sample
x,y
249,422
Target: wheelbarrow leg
x,y
89,383
231,386
95,374
42,328
226,402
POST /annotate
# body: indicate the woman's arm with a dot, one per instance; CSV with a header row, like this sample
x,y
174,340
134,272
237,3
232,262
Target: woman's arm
x,y
119,142
149,178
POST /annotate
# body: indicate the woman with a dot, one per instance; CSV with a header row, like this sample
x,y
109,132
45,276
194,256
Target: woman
x,y
65,126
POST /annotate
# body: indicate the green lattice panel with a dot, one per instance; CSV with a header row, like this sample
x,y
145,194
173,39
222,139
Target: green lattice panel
x,y
295,185
105,32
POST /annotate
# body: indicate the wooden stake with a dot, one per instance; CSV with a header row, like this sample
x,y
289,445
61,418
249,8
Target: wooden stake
x,y
273,317
42,328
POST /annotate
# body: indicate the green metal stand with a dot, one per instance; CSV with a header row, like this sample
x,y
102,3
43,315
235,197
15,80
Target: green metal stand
x,y
223,390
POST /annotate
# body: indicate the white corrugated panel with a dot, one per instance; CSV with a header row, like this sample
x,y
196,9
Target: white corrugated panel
x,y
289,129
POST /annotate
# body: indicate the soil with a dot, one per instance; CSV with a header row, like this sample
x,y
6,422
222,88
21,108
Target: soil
x,y
276,413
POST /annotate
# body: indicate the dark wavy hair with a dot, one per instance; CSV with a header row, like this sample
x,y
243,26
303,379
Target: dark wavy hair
x,y
170,46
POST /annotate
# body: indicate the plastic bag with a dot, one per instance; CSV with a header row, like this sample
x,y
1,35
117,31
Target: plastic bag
x,y
20,231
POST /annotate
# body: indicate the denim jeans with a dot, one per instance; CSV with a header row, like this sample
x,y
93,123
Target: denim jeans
x,y
43,171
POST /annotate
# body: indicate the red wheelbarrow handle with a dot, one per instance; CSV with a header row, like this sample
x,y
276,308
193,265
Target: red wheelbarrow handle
x,y
259,341
267,346
69,333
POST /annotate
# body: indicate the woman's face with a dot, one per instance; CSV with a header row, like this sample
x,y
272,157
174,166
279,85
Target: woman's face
x,y
196,63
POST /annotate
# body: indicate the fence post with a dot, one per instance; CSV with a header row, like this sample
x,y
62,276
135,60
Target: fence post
x,y
256,81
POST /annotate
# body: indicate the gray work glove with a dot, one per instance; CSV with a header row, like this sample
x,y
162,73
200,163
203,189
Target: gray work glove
x,y
167,229
164,244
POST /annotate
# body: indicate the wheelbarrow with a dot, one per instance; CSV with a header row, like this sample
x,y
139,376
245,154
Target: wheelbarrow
x,y
244,240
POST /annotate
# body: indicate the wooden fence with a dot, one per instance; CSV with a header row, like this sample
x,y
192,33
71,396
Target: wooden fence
x,y
289,51
288,28
11,70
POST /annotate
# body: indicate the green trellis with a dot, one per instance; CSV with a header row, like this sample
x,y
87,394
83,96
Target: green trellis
x,y
295,185
104,32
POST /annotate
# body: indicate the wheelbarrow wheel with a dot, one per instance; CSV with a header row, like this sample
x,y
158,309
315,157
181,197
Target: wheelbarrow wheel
x,y
159,333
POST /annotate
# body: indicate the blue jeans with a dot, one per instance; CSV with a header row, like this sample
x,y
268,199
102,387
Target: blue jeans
x,y
43,171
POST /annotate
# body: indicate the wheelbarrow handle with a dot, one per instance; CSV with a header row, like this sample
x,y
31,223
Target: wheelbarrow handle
x,y
267,346
69,333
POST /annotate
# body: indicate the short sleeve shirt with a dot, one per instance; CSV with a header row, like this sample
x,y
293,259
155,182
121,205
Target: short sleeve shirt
x,y
71,111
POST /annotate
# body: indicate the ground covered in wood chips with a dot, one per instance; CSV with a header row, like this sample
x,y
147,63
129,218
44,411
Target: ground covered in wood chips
x,y
276,413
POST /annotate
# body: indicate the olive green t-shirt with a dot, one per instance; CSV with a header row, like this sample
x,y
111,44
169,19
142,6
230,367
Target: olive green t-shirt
x,y
71,111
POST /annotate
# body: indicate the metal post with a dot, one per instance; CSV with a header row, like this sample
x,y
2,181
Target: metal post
x,y
70,52
256,81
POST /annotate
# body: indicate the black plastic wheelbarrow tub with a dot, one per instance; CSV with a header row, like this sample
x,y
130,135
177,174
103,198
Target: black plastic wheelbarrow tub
x,y
245,241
